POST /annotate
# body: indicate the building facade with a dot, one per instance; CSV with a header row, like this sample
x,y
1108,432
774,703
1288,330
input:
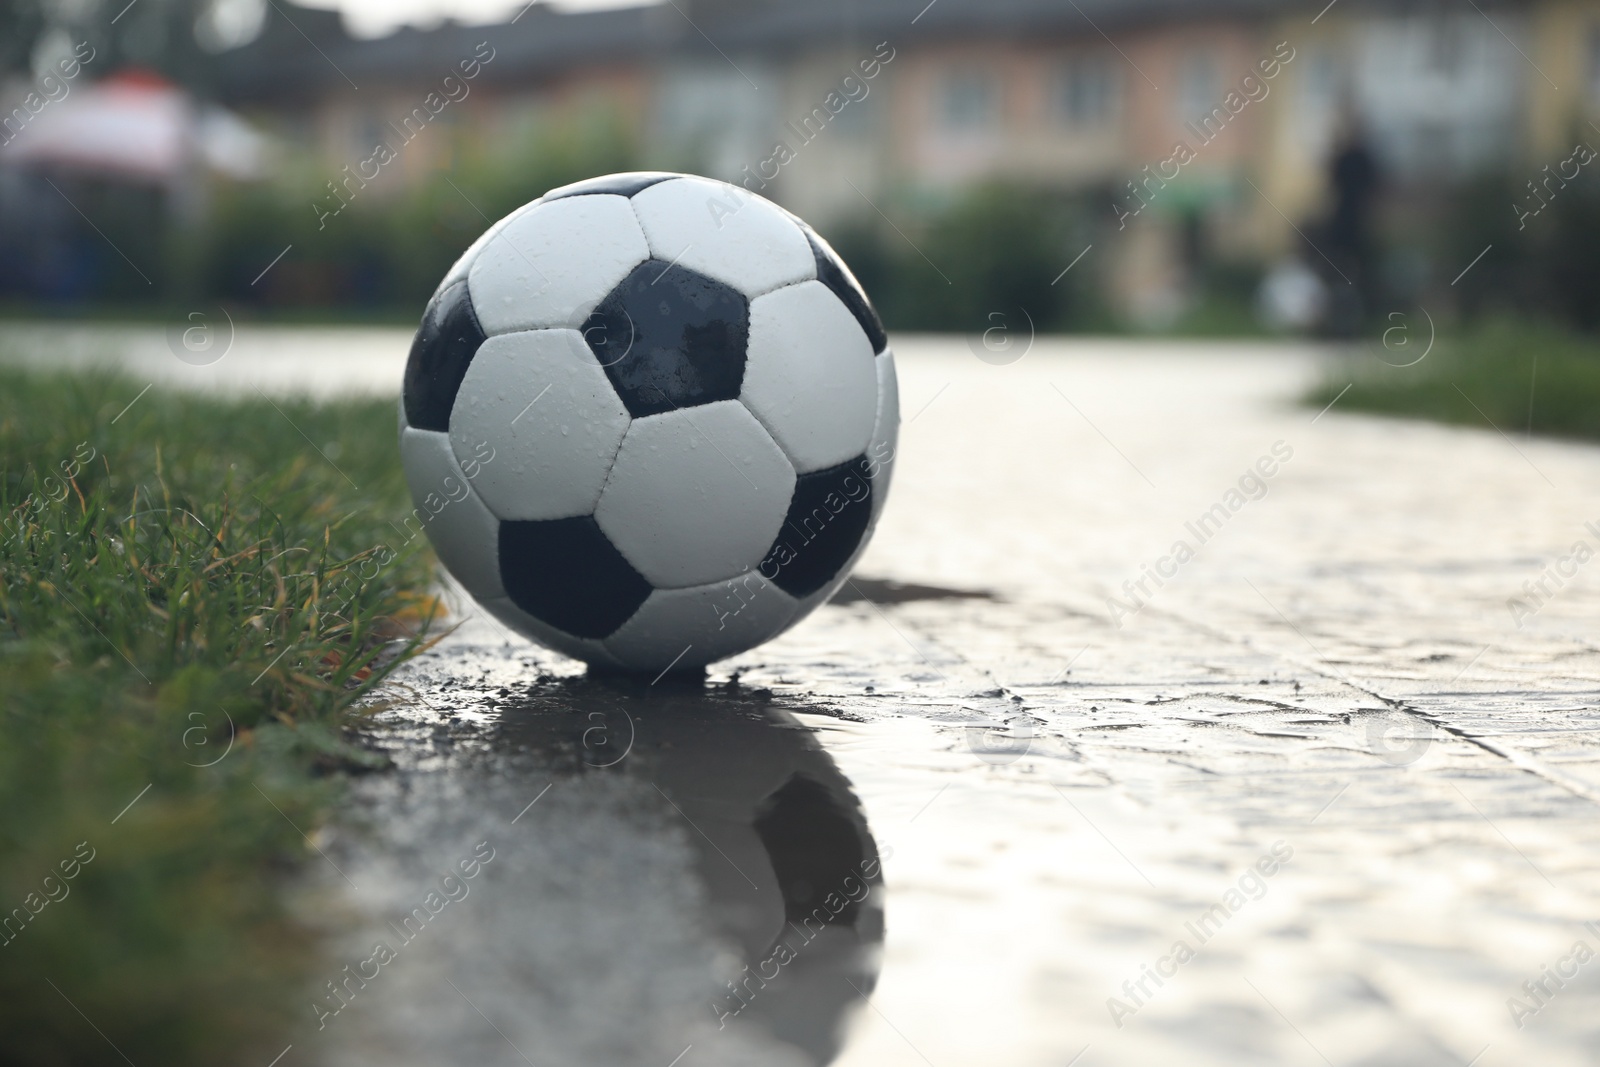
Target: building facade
x,y
1198,125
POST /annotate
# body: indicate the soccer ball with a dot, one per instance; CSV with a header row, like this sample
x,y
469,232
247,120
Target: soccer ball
x,y
649,420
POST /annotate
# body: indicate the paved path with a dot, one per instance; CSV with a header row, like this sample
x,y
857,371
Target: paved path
x,y
1336,669
1332,689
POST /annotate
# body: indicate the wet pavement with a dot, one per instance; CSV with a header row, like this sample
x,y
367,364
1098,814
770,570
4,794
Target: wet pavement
x,y
1308,790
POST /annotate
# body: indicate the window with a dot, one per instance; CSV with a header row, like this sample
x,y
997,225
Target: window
x,y
1593,71
1445,46
1316,102
1088,91
860,116
970,101
370,131
1198,88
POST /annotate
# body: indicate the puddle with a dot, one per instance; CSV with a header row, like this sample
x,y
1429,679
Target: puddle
x,y
672,867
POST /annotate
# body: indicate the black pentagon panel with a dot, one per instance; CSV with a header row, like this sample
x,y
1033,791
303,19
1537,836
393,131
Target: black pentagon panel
x,y
828,516
615,184
441,352
832,272
669,337
815,843
566,573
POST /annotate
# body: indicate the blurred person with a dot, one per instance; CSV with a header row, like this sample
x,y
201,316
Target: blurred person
x,y
1356,182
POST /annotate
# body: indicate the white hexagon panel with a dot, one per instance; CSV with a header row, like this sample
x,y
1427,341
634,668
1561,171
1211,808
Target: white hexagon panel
x,y
526,277
462,529
539,411
724,232
809,375
696,495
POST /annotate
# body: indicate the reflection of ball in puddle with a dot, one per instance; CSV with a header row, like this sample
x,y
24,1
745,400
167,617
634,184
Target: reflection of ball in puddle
x,y
782,855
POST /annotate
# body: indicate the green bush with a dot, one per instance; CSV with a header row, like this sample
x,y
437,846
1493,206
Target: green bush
x,y
388,249
1546,264
1518,376
993,250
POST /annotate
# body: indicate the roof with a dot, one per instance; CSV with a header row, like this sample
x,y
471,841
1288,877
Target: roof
x,y
302,53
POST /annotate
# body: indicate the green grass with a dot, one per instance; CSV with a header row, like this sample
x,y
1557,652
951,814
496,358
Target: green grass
x,y
1516,375
203,564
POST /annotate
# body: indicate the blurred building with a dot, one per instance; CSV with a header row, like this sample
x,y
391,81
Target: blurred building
x,y
1090,95
1204,128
